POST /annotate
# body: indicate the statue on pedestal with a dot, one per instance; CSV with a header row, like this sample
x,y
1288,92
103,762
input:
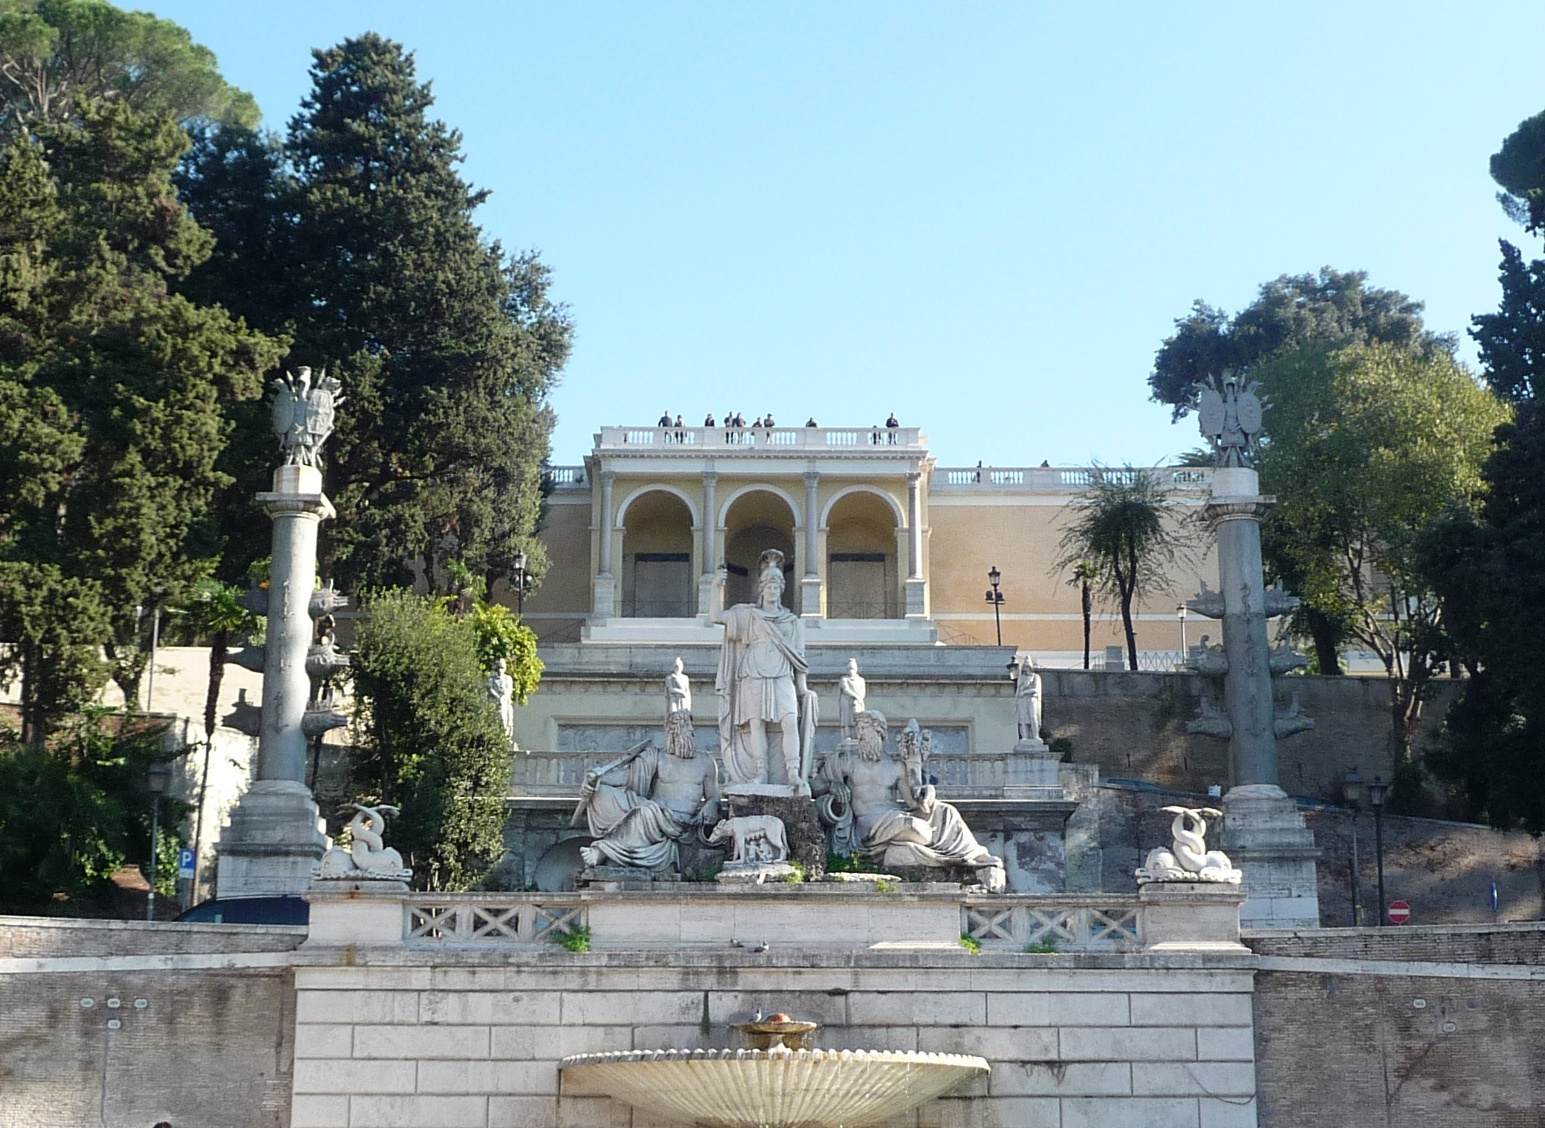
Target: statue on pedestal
x,y
1027,707
501,691
678,691
762,688
367,858
1188,858
851,691
639,806
896,817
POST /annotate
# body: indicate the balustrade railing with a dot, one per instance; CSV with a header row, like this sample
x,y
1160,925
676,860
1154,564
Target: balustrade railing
x,y
764,438
1060,478
564,475
1053,922
489,919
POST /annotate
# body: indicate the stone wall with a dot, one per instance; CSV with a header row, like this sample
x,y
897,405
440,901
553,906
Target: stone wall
x,y
1073,1040
205,1024
1378,1026
1443,869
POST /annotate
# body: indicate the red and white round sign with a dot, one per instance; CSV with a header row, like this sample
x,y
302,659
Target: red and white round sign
x,y
1399,912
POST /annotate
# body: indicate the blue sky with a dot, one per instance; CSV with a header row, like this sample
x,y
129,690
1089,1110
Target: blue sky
x,y
984,217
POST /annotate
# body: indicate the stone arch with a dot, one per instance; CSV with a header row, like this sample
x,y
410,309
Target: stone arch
x,y
864,535
657,554
757,518
895,506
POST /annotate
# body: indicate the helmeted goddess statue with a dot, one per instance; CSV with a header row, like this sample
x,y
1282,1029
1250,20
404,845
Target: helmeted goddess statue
x,y
765,705
303,415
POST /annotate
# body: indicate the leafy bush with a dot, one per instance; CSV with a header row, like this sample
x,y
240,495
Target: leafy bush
x,y
970,943
576,939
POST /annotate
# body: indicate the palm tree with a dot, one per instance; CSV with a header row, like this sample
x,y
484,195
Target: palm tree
x,y
1121,529
1083,578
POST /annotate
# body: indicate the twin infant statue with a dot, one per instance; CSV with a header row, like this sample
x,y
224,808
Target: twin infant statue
x,y
877,801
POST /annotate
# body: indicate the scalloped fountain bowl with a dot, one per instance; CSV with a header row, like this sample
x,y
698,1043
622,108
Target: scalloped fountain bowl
x,y
771,1088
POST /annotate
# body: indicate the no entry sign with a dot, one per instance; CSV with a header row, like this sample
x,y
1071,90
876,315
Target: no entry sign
x,y
1399,912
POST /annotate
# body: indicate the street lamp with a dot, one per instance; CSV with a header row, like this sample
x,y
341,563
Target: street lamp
x,y
995,597
520,583
1180,613
1377,791
1352,796
158,776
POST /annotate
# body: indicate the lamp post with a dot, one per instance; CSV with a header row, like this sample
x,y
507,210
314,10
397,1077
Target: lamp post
x,y
1377,790
520,583
158,776
995,597
1352,795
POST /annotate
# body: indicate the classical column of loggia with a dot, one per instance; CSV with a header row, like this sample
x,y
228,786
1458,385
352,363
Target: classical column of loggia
x,y
605,586
705,580
1263,831
917,587
810,584
274,836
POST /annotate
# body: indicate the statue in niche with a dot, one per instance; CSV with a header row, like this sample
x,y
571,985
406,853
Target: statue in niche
x,y
897,818
642,804
303,415
1188,858
762,687
501,691
1027,703
678,691
851,691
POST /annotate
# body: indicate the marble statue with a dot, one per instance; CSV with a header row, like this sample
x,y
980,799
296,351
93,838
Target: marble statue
x,y
755,839
366,859
642,804
1027,703
1230,419
761,686
897,818
303,415
1188,858
501,691
678,691
851,691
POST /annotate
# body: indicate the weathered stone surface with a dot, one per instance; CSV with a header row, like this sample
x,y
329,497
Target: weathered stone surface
x,y
806,835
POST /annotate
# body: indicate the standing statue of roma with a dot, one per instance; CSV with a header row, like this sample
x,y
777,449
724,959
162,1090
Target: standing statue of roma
x,y
761,684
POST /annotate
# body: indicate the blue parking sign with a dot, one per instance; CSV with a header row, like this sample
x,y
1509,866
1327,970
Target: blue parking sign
x,y
185,864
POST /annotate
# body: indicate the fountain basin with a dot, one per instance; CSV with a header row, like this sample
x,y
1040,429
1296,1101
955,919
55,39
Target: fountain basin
x,y
776,1088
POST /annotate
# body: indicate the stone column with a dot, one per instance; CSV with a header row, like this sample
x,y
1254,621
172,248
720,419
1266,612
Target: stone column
x,y
1263,831
605,586
917,601
810,585
705,580
274,836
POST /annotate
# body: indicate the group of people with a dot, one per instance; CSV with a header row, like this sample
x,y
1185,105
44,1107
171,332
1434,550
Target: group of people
x,y
735,421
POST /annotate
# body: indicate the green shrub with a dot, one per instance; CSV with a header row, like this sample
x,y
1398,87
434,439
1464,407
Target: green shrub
x,y
970,943
1043,947
576,939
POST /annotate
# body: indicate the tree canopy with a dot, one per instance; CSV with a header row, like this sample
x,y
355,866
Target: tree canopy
x,y
1331,310
58,57
446,345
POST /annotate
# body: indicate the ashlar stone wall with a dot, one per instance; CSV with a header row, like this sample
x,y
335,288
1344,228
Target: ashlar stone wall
x,y
1075,1041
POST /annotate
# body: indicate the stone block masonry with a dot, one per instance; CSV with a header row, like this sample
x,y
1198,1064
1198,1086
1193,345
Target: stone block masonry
x,y
452,1039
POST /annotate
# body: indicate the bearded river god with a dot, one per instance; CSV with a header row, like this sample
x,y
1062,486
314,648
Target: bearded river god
x,y
766,708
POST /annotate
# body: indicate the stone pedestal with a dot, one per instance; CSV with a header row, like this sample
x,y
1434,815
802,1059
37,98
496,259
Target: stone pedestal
x,y
806,835
1264,834
273,840
1190,916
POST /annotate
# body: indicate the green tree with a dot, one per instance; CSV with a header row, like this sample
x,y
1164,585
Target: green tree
x,y
58,55
1083,577
446,345
1124,532
1489,564
1334,309
1361,463
72,814
113,391
433,742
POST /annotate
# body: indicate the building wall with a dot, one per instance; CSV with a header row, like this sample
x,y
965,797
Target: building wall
x,y
1402,1026
1124,1040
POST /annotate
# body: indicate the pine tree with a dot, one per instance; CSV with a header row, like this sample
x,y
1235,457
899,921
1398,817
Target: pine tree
x,y
446,346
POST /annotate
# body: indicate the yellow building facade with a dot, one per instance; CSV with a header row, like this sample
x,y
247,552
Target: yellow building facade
x,y
881,546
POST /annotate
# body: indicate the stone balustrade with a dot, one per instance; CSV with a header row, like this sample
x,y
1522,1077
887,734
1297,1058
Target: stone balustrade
x,y
1063,923
1058,479
772,440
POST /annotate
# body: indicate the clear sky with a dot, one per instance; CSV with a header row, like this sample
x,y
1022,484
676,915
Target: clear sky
x,y
985,217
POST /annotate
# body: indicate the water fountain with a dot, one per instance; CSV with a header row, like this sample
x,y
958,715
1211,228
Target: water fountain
x,y
778,1082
